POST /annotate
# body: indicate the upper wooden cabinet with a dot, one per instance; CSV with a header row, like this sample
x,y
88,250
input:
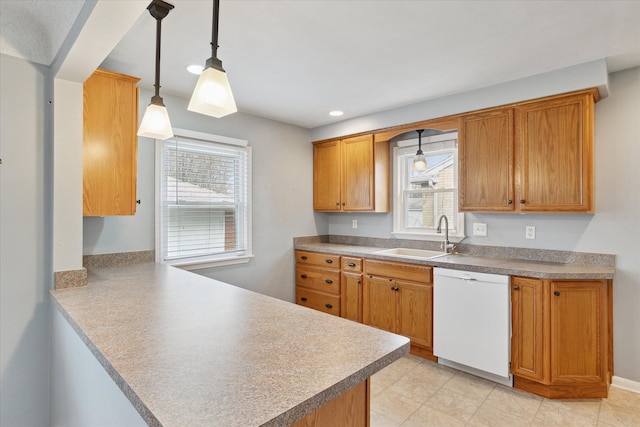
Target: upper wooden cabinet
x,y
351,175
533,156
110,144
485,153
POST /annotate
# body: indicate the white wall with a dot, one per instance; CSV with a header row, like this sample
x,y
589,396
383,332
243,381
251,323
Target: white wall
x,y
613,229
25,242
282,198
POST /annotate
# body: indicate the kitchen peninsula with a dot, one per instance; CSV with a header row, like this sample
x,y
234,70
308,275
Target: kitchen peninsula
x,y
189,350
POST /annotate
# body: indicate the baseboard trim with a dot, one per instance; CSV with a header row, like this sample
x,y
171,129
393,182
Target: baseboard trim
x,y
625,384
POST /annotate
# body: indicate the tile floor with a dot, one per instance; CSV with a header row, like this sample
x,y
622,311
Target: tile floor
x,y
415,392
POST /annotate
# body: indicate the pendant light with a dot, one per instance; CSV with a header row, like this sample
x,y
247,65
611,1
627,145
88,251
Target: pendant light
x,y
212,95
419,162
155,122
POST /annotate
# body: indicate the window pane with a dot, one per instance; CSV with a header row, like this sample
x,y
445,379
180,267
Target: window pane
x,y
440,172
204,199
423,209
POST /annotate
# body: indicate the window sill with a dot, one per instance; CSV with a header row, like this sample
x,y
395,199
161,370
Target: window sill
x,y
436,237
196,264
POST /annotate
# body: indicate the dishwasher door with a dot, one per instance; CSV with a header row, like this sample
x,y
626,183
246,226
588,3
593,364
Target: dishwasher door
x,y
472,321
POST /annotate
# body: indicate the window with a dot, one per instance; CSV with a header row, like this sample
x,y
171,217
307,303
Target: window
x,y
422,196
204,193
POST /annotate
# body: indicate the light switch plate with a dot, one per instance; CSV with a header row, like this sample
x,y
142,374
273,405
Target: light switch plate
x,y
530,232
479,229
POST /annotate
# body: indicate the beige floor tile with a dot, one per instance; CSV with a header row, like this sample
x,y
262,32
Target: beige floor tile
x,y
469,385
422,382
520,404
621,408
429,417
455,405
380,419
490,416
584,408
552,415
395,407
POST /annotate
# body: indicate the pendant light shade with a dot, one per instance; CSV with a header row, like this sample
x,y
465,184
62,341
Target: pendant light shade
x,y
419,162
212,95
155,122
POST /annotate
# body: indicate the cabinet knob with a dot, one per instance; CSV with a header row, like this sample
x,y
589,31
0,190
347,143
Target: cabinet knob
x,y
343,203
304,276
303,299
510,202
328,281
516,288
556,293
352,264
303,257
395,288
328,305
328,261
359,281
337,203
522,201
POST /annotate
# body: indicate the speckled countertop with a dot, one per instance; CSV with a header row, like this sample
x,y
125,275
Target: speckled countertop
x,y
189,350
589,267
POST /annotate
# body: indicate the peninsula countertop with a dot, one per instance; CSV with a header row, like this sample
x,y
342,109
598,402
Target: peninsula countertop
x,y
588,267
190,350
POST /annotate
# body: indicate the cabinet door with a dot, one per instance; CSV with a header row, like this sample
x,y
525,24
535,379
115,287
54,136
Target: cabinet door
x,y
529,349
351,307
486,161
109,144
579,332
327,176
415,312
379,303
555,155
358,174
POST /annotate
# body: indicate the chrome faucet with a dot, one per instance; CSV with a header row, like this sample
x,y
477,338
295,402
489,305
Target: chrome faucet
x,y
446,246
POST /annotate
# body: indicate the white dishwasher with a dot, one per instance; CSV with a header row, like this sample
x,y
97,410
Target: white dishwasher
x,y
472,323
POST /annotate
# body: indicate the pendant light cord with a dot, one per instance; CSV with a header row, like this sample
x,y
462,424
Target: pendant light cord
x,y
158,33
214,29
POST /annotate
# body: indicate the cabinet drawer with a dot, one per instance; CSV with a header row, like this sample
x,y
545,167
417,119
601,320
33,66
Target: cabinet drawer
x,y
318,300
399,270
322,279
317,258
351,264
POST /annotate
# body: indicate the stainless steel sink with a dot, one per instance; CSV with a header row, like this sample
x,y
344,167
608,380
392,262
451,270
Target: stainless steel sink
x,y
411,253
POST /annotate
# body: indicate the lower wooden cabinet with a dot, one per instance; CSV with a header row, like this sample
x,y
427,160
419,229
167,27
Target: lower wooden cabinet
x,y
398,297
350,409
561,344
320,301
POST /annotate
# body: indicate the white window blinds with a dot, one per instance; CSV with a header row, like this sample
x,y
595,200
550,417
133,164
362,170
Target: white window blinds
x,y
204,199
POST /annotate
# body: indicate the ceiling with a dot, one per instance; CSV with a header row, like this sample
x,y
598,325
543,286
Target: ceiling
x,y
294,61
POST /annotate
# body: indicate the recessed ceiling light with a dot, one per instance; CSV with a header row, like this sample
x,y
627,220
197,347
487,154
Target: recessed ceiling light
x,y
195,69
336,113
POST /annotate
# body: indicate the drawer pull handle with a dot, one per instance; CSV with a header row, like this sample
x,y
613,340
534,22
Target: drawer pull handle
x,y
328,261
522,201
395,288
557,293
509,201
328,281
516,288
303,257
352,264
304,276
328,305
303,299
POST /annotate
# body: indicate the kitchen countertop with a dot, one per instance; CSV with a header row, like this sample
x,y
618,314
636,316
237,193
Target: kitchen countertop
x,y
189,350
481,264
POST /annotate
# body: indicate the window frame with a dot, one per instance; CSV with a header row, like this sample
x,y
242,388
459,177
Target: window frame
x,y
428,146
198,262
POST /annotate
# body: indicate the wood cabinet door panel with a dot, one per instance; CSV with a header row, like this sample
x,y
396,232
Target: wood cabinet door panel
x,y
358,173
379,303
578,332
350,409
327,167
555,155
528,345
486,151
351,307
109,144
415,312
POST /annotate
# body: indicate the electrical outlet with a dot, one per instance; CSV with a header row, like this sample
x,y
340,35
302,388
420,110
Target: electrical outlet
x,y
354,223
479,229
530,232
